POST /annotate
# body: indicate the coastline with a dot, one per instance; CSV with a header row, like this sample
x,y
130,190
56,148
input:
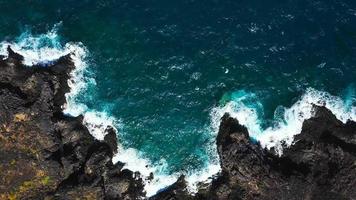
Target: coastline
x,y
36,52
58,157
46,153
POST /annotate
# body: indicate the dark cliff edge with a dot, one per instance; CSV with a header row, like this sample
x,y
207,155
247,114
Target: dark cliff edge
x,y
320,165
45,154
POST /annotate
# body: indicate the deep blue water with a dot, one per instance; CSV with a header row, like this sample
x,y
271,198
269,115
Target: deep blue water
x,y
162,66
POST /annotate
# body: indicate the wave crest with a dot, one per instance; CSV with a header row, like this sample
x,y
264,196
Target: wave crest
x,y
44,49
246,108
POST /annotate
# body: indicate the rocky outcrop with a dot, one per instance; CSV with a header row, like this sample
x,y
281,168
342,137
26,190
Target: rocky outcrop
x,y
45,154
321,164
176,191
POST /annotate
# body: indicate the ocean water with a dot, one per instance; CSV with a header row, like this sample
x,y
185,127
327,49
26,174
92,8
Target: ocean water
x,y
164,72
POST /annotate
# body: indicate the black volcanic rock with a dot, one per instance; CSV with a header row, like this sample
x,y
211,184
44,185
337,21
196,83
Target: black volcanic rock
x,y
319,165
326,147
111,139
176,191
45,154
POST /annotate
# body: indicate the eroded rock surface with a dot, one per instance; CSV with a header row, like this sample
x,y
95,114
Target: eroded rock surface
x,y
320,165
45,154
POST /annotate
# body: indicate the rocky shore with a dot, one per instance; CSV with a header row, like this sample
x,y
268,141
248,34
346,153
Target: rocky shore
x,y
45,154
320,165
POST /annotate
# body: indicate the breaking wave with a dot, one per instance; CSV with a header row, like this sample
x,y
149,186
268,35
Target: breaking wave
x,y
43,50
248,110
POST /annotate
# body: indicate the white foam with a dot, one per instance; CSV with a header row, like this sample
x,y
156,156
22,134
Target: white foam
x,y
97,123
136,162
202,176
46,48
290,122
43,49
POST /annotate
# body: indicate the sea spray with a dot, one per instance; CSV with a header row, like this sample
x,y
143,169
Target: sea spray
x,y
44,49
245,106
287,121
135,161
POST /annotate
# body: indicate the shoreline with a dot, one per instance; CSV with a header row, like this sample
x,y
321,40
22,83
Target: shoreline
x,y
95,121
68,161
55,155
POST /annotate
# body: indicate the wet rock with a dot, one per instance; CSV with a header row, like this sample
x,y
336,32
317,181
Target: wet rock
x,y
319,165
45,154
111,139
176,191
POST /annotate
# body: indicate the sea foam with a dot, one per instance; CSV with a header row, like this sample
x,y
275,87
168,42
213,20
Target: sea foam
x,y
44,49
288,121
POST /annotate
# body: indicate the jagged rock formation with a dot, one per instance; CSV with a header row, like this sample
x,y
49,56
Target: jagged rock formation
x,y
319,165
45,154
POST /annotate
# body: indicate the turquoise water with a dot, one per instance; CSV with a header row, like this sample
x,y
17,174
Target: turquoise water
x,y
161,67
